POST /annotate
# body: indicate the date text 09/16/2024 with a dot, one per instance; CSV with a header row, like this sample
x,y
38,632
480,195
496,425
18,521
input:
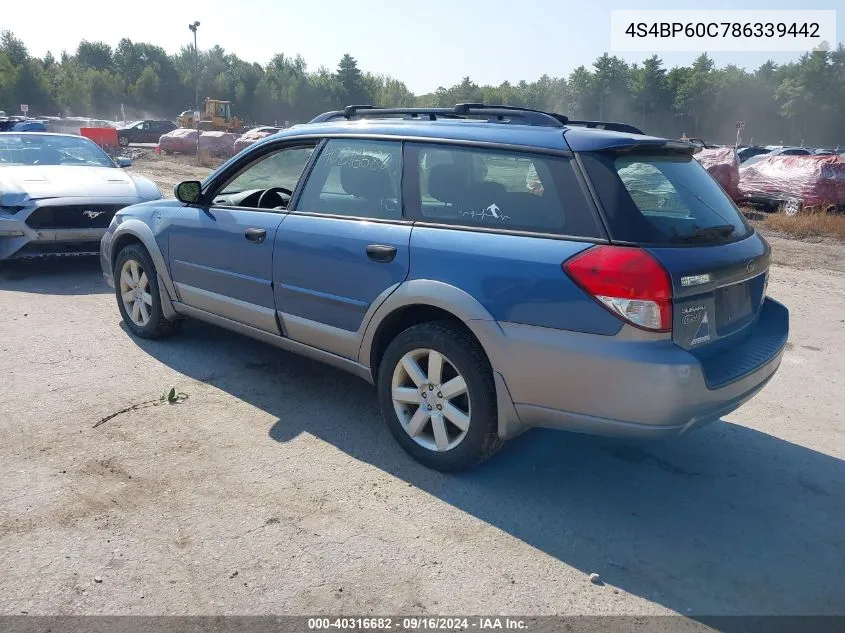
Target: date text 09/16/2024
x,y
417,623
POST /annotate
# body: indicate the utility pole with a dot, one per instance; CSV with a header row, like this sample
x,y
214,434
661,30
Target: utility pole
x,y
194,26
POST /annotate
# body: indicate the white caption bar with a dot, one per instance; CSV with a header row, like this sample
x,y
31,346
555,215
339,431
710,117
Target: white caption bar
x,y
699,31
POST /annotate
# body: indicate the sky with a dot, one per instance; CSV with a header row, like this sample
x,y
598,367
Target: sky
x,y
426,44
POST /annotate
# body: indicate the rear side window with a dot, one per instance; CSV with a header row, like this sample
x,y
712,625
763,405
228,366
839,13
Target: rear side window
x,y
357,179
663,199
477,187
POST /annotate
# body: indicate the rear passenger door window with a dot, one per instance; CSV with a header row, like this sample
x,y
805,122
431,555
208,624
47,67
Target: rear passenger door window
x,y
352,178
495,189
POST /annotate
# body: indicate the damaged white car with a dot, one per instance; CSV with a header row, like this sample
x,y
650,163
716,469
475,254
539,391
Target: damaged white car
x,y
58,194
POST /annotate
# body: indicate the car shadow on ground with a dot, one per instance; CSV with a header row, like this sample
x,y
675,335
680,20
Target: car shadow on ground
x,y
728,520
54,276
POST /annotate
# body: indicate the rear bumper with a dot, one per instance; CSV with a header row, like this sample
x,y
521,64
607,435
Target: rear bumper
x,y
623,387
592,425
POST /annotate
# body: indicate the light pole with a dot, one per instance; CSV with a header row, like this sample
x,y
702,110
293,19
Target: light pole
x,y
194,26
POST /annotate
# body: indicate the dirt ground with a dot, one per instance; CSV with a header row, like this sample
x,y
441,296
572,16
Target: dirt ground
x,y
274,487
167,171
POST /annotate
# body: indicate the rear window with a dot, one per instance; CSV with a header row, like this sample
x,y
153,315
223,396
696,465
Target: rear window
x,y
480,187
663,199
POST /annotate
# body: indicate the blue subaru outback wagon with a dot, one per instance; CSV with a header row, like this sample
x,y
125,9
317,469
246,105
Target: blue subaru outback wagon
x,y
487,268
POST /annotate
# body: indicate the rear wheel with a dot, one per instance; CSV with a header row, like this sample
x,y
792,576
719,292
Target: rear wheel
x,y
438,397
136,287
123,141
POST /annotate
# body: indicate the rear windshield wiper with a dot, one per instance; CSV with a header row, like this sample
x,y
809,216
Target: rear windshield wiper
x,y
707,234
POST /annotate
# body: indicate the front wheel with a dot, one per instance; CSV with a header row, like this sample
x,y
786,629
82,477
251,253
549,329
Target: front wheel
x,y
123,141
438,398
138,300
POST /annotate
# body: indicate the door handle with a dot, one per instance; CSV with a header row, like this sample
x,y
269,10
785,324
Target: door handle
x,y
255,235
381,253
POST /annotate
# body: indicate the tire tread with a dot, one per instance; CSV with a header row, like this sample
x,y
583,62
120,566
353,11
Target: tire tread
x,y
432,332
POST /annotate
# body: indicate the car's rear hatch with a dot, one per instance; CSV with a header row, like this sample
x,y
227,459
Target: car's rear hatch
x,y
667,204
717,291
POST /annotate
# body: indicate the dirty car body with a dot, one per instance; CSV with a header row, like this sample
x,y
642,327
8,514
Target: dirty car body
x,y
489,270
58,194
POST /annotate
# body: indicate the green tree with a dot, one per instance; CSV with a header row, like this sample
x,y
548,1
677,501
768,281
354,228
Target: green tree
x,y
96,55
14,48
650,95
610,86
582,94
694,96
350,81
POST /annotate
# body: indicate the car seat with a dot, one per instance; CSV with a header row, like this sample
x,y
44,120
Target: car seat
x,y
373,188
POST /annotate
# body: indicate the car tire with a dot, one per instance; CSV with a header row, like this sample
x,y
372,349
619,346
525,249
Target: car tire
x,y
123,141
452,448
137,293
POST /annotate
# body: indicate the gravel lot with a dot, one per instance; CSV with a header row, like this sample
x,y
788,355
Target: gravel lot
x,y
275,488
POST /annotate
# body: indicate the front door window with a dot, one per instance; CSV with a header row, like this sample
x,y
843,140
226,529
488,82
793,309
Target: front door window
x,y
267,182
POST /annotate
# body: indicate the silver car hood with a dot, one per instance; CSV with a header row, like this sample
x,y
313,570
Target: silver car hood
x,y
31,182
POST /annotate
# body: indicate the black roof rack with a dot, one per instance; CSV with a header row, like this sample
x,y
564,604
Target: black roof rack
x,y
493,113
607,125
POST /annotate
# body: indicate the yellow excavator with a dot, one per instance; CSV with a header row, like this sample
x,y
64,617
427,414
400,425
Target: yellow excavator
x,y
217,117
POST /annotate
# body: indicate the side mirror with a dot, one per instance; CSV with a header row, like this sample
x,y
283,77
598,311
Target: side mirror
x,y
189,191
124,162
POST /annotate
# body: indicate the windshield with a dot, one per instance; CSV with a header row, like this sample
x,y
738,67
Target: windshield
x,y
663,199
47,149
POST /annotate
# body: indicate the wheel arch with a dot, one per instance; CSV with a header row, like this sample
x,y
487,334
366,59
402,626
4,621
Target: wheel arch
x,y
419,301
132,231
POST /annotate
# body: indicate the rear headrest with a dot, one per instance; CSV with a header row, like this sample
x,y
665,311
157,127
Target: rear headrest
x,y
484,193
372,184
447,183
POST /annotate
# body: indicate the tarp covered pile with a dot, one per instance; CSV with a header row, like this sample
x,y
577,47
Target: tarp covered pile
x,y
723,165
813,180
248,138
181,141
220,144
184,141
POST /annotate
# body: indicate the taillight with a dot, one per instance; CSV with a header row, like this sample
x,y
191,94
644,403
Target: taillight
x,y
627,281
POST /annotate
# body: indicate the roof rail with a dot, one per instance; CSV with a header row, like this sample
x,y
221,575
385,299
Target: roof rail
x,y
494,113
607,125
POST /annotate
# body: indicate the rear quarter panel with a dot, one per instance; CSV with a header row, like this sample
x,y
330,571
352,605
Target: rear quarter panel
x,y
516,278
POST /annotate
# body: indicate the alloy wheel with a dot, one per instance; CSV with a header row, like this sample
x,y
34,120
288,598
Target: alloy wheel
x,y
135,292
431,399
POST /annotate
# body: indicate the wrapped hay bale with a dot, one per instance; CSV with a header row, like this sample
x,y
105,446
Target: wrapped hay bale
x,y
181,141
801,181
723,165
